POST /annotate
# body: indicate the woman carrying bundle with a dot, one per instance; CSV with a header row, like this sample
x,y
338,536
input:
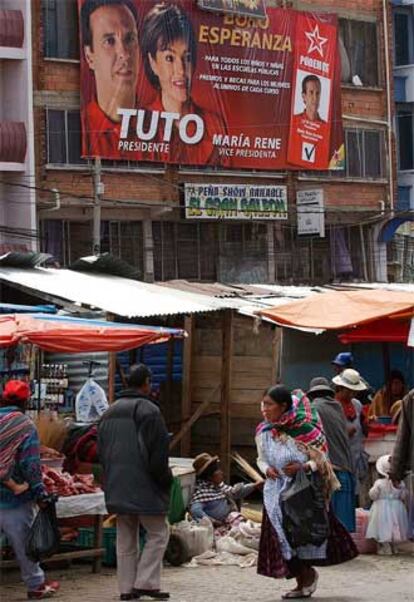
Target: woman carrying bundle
x,y
290,442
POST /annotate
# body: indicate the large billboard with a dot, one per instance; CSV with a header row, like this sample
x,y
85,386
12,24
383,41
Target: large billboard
x,y
171,83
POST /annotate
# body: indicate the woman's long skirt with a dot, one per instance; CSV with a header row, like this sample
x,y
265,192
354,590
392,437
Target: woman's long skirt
x,y
271,563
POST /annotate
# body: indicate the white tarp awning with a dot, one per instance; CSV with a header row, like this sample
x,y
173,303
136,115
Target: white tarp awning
x,y
113,294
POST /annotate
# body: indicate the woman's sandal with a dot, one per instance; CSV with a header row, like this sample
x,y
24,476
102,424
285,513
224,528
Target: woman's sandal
x,y
311,589
295,593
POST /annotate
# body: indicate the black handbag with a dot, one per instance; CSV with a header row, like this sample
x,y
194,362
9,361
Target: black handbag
x,y
305,518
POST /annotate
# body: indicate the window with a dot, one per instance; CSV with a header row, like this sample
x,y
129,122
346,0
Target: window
x,y
185,250
63,137
364,156
403,37
60,26
405,120
68,241
359,52
243,252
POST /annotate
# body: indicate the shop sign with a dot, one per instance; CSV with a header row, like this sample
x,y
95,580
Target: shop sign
x,y
237,201
310,212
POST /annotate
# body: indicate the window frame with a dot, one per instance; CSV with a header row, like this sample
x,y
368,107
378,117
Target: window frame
x,y
73,32
409,13
344,174
404,110
169,266
66,163
379,74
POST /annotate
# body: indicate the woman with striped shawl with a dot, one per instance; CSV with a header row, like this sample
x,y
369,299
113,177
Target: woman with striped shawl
x,y
291,439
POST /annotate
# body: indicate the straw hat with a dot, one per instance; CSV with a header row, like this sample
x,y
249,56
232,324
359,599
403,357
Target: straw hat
x,y
383,465
203,461
350,379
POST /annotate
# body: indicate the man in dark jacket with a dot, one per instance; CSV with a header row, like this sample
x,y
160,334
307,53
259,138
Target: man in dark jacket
x,y
335,428
402,459
133,449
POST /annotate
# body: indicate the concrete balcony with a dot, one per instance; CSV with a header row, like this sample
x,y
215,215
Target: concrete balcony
x,y
11,34
13,144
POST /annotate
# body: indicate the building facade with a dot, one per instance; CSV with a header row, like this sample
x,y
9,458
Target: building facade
x,y
142,204
18,229
401,234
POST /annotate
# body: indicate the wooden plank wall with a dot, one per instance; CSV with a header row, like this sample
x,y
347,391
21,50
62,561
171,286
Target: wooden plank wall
x,y
254,362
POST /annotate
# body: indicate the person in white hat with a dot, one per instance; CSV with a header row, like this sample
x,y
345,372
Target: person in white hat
x,y
347,384
388,518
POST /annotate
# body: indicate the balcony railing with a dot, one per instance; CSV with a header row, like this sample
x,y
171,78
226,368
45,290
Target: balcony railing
x,y
13,142
11,28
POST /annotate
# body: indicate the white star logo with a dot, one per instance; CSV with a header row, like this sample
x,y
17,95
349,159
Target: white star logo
x,y
316,41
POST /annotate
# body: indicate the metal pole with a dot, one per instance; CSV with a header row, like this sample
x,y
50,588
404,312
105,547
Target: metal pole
x,y
98,191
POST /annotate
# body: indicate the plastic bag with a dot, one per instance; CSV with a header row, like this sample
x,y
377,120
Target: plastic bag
x,y
43,538
91,402
305,519
198,537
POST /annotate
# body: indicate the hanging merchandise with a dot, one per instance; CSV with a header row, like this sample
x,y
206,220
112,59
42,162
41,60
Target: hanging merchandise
x,y
91,402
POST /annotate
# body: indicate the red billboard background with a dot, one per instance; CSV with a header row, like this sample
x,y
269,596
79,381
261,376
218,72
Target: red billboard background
x,y
240,96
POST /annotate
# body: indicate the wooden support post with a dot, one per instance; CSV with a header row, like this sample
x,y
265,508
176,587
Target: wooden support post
x,y
111,367
170,368
276,353
186,384
111,376
225,420
187,425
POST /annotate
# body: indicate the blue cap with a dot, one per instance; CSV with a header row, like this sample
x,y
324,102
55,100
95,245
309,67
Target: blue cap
x,y
343,359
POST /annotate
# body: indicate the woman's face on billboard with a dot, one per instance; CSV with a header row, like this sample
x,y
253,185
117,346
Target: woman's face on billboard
x,y
174,69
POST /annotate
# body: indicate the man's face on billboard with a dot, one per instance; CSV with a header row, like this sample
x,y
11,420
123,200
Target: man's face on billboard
x,y
312,96
113,55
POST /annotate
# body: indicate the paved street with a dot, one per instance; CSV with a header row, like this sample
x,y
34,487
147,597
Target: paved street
x,y
368,579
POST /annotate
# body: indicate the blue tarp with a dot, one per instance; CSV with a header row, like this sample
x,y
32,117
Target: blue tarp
x,y
10,308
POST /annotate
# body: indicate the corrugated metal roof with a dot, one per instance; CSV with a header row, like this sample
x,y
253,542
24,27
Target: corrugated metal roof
x,y
402,287
120,296
247,299
239,291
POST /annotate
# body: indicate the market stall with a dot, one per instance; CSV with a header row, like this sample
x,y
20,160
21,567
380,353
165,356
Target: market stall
x,y
79,495
369,316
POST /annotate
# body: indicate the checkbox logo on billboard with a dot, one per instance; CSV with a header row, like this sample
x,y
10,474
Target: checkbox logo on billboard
x,y
308,152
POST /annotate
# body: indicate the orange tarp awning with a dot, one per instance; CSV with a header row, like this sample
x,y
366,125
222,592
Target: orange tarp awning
x,y
74,335
337,310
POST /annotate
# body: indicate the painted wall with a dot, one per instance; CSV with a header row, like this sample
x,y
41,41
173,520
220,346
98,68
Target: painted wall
x,y
306,355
